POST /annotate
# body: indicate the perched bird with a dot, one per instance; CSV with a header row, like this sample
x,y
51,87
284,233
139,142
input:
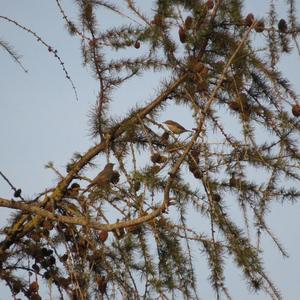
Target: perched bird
x,y
282,26
175,127
73,191
115,178
104,178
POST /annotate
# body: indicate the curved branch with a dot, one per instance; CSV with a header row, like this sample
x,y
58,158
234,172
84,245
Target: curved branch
x,y
58,192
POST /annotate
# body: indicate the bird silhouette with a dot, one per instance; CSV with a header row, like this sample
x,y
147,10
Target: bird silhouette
x,y
175,127
103,179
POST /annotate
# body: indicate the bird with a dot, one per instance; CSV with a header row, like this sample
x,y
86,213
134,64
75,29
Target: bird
x,y
73,191
103,179
175,127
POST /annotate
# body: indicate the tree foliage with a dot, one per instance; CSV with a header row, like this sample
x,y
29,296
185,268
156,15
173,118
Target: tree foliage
x,y
132,232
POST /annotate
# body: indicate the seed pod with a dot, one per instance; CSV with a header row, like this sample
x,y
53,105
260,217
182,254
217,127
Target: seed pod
x,y
35,236
34,287
182,35
17,193
188,23
137,44
17,285
158,21
162,222
233,182
136,186
216,197
47,275
249,20
197,174
35,267
64,258
296,110
196,66
93,42
44,252
52,260
71,28
210,4
49,252
282,26
103,235
45,264
260,26
234,105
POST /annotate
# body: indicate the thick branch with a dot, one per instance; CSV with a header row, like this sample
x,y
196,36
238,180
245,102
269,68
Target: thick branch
x,y
63,184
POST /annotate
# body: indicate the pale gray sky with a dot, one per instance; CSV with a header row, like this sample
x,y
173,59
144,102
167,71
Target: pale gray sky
x,y
40,120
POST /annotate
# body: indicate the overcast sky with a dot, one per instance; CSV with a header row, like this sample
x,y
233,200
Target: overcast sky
x,y
40,120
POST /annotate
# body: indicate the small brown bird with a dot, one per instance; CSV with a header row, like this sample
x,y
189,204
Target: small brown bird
x,y
175,127
103,179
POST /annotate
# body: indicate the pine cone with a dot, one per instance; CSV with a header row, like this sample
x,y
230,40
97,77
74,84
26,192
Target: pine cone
x,y
249,20
296,110
282,26
182,35
137,44
188,23
103,235
210,4
260,26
